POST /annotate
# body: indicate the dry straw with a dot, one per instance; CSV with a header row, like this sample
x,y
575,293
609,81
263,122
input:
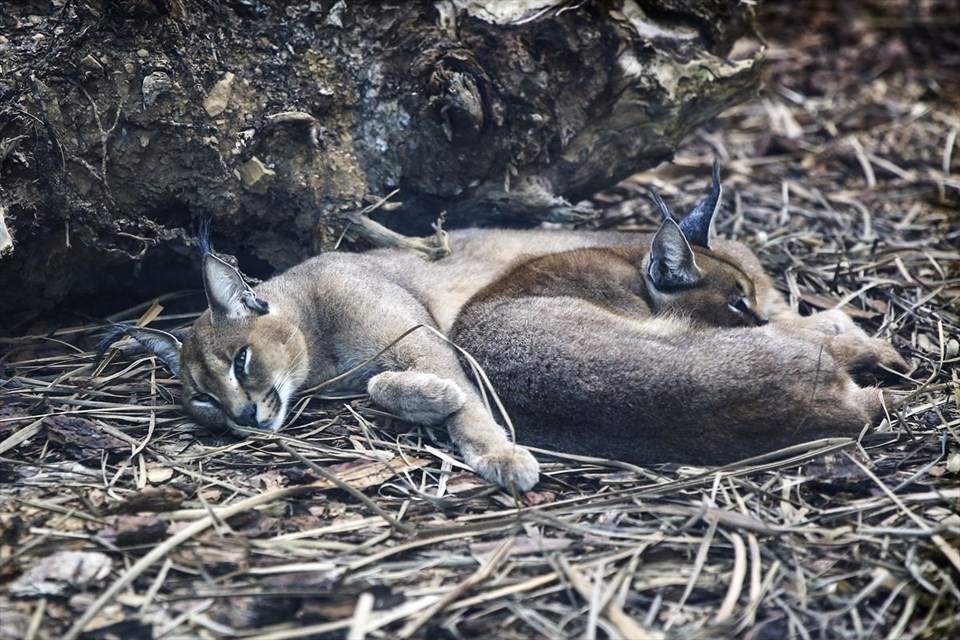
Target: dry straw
x,y
348,524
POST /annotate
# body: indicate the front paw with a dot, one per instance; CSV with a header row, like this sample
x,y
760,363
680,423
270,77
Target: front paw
x,y
420,398
867,359
831,323
508,465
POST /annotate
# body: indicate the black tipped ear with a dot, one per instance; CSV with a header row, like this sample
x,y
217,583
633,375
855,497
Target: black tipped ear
x,y
698,225
672,264
162,344
229,297
661,205
203,237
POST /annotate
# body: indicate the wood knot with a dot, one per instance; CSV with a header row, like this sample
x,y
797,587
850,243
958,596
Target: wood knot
x,y
458,86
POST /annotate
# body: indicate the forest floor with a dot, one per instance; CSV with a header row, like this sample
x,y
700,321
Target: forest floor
x,y
843,175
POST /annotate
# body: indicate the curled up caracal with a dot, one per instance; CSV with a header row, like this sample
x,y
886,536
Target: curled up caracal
x,y
676,348
244,358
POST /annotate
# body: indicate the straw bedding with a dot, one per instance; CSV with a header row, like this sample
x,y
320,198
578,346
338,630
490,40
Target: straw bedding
x,y
119,515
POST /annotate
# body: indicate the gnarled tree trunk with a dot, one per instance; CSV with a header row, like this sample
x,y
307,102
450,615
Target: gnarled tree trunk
x,y
122,124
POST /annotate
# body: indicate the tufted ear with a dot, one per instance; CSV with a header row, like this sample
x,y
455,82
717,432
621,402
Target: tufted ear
x,y
672,264
162,344
697,227
229,297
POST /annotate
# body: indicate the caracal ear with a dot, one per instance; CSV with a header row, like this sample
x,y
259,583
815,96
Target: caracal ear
x,y
672,262
697,227
229,297
162,344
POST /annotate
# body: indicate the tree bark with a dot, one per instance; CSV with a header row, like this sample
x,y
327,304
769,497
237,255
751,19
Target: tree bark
x,y
123,124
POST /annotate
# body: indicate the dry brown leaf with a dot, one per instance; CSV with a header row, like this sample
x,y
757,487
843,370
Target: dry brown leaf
x,y
361,474
62,573
81,438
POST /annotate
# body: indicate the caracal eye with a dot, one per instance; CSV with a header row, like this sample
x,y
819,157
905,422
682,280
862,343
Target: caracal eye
x,y
241,364
740,305
205,398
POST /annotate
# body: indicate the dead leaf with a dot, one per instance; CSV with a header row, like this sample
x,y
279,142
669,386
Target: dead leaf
x,y
61,574
81,438
837,472
522,546
152,500
269,480
217,555
534,498
134,530
12,528
343,603
823,303
12,417
465,484
158,475
953,462
212,495
361,474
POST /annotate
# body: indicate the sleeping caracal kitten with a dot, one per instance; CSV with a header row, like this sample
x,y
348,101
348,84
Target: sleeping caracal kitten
x,y
244,358
666,352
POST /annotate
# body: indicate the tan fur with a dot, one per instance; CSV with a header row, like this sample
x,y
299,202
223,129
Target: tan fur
x,y
586,364
613,279
246,356
333,312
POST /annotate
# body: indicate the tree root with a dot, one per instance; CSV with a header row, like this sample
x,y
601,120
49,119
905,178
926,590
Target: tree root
x,y
362,226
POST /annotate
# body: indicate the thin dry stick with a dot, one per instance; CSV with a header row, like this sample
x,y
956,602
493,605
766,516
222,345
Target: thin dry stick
x,y
161,551
414,544
361,616
698,563
737,578
478,577
625,625
377,621
36,619
945,548
340,484
155,586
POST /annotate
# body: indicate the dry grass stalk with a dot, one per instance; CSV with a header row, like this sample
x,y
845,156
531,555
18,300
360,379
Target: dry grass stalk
x,y
345,525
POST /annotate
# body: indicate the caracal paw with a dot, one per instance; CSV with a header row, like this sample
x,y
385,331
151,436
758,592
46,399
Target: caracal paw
x,y
868,359
420,398
871,400
508,465
832,322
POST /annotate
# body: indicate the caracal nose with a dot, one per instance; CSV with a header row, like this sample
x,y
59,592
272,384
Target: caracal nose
x,y
248,417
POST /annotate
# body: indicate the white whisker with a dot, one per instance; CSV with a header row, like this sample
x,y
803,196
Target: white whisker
x,y
294,372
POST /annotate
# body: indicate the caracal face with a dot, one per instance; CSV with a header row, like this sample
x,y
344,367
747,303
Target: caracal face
x,y
242,372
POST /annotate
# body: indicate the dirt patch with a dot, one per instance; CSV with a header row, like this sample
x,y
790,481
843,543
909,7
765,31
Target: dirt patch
x,y
123,125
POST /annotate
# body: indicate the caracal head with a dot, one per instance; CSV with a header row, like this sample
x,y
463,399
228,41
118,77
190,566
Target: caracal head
x,y
684,275
240,363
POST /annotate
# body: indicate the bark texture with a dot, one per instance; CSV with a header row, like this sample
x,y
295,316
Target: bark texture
x,y
123,124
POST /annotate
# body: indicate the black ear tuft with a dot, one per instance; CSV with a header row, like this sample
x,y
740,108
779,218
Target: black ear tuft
x,y
162,344
661,205
255,304
203,236
697,226
114,333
